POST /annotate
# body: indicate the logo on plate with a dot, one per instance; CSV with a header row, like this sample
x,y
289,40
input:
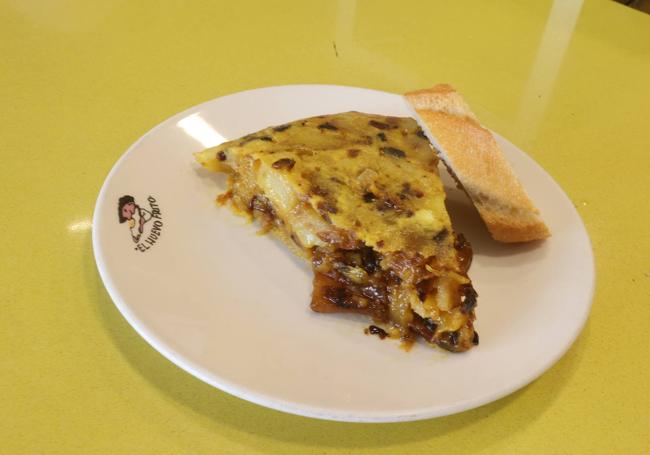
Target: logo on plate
x,y
145,224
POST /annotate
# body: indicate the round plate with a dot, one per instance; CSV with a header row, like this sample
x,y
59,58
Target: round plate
x,y
232,308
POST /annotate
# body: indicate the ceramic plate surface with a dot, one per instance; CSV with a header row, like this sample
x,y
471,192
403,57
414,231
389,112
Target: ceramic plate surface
x,y
232,308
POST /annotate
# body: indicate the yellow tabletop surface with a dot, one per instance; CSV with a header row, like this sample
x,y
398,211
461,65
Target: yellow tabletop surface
x,y
567,81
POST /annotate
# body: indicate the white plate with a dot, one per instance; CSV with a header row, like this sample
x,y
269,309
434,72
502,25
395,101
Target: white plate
x,y
232,307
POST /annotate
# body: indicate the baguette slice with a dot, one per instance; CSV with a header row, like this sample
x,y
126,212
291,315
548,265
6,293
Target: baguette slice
x,y
474,159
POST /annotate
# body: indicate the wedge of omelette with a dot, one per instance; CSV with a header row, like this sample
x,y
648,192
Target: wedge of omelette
x,y
359,196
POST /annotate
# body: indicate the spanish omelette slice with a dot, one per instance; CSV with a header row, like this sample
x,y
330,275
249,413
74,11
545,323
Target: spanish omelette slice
x,y
359,196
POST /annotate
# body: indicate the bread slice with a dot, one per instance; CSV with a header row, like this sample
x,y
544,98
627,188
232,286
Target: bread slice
x,y
359,196
474,159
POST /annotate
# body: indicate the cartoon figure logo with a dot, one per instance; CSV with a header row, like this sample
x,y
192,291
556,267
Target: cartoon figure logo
x,y
137,217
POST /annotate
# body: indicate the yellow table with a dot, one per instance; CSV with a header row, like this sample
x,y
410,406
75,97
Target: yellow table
x,y
566,80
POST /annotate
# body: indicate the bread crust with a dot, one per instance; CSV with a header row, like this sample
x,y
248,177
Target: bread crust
x,y
477,163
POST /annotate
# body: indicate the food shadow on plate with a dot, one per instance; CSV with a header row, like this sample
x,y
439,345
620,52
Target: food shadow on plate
x,y
466,220
216,182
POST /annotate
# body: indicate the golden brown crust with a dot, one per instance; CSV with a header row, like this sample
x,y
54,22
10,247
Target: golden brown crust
x,y
472,154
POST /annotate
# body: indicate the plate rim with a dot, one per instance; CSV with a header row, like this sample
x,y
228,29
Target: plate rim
x,y
265,400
